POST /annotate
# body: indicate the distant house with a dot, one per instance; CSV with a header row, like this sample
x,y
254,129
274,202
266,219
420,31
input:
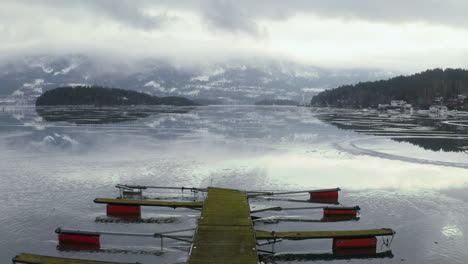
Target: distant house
x,y
397,103
383,106
438,100
438,109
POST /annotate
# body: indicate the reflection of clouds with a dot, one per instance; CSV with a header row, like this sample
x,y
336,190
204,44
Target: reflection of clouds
x,y
26,117
55,142
351,147
327,168
18,116
460,123
311,121
157,121
236,178
231,147
37,126
189,115
300,138
271,134
452,231
460,192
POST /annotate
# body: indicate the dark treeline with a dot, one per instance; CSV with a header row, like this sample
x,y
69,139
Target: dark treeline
x,y
419,89
101,96
103,115
436,144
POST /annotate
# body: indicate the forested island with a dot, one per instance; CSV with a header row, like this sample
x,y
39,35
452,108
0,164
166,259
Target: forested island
x,y
276,102
102,96
437,86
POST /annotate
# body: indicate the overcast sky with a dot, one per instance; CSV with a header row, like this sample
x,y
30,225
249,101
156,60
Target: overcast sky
x,y
402,35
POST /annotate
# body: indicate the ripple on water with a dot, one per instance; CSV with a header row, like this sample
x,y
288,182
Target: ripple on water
x,y
236,147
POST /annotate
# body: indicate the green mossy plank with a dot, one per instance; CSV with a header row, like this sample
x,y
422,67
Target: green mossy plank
x,y
39,259
148,203
225,232
324,234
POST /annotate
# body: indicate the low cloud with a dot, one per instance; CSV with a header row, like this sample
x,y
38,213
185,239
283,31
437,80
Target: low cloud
x,y
333,33
243,15
124,12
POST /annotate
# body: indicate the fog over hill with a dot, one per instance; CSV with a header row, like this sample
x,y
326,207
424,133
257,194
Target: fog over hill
x,y
24,78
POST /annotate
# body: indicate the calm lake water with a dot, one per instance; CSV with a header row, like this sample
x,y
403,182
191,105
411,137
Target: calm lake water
x,y
408,173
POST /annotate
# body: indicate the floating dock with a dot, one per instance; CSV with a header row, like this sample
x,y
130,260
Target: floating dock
x,y
148,203
225,232
39,259
324,234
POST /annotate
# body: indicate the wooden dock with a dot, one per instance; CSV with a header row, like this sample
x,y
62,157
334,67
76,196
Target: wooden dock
x,y
324,234
148,203
225,231
39,259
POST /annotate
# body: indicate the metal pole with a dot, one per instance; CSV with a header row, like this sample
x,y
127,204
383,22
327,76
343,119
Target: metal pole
x,y
324,207
181,237
284,209
177,231
266,219
258,193
304,208
142,187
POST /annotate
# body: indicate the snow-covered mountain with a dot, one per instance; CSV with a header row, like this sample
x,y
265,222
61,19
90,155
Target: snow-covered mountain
x,y
23,79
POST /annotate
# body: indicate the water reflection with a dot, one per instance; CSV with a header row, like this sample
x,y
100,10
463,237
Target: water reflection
x,y
116,218
336,255
452,231
92,249
52,171
103,115
277,219
437,144
427,132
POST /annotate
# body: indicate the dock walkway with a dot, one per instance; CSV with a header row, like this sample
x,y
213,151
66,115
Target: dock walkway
x,y
148,203
225,231
39,259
